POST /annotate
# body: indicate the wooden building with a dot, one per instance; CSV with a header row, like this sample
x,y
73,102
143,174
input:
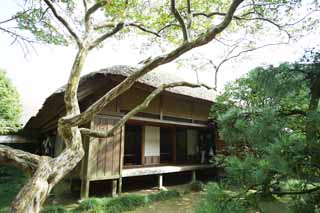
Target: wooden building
x,y
162,139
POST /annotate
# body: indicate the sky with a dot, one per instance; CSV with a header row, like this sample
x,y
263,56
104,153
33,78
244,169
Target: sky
x,y
46,68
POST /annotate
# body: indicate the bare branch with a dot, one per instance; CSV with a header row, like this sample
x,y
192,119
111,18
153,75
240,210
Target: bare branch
x,y
85,6
116,29
183,26
139,108
92,10
64,22
167,26
26,161
190,16
153,63
141,27
228,58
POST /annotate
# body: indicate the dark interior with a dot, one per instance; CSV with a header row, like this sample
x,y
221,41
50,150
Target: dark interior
x,y
166,145
132,145
181,145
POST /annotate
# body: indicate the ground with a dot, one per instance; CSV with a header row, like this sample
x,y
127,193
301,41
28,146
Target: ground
x,y
12,179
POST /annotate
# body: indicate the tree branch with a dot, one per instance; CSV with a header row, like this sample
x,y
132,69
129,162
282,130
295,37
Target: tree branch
x,y
64,22
108,24
142,28
116,29
217,68
178,17
153,63
307,191
139,108
92,10
26,161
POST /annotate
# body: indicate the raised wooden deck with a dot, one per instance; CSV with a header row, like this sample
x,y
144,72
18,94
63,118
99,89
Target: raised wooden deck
x,y
153,170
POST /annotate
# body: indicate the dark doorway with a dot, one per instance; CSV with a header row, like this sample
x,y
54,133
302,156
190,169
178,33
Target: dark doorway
x,y
181,146
166,145
132,145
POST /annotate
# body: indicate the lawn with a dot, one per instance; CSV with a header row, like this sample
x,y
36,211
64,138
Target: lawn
x,y
11,180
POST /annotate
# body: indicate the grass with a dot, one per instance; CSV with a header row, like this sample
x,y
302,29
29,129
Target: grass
x,y
11,181
123,203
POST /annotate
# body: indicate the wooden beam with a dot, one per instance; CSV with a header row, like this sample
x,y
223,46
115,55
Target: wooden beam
x,y
85,187
120,186
160,181
114,188
194,176
142,144
154,170
168,122
174,145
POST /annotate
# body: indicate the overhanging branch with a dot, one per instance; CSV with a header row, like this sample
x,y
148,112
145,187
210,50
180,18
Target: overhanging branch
x,y
24,160
179,18
98,41
91,11
139,108
203,39
63,22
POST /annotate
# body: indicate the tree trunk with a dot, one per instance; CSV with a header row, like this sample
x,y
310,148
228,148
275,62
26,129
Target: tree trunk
x,y
311,126
51,170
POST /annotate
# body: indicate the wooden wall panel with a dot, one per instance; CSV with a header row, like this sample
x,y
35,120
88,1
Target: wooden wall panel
x,y
112,107
104,153
136,96
177,107
201,111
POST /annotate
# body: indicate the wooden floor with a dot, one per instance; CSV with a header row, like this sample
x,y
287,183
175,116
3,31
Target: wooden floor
x,y
153,170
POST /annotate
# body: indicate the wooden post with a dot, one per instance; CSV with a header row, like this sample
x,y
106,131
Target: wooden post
x,y
194,177
160,181
174,145
120,186
114,188
85,187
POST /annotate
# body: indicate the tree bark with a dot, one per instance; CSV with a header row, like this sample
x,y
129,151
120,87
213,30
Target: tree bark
x,y
311,126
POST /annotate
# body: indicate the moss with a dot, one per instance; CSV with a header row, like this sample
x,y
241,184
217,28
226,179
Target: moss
x,y
11,181
196,186
125,203
91,204
163,195
54,209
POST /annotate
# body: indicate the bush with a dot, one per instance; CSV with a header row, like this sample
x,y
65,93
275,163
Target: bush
x,y
91,204
125,203
217,200
54,209
196,186
163,195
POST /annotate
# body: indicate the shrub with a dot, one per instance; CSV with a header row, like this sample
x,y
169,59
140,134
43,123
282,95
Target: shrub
x,y
125,203
217,200
196,186
91,204
163,195
54,209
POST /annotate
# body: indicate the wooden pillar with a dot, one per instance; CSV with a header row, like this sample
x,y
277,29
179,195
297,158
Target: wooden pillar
x,y
194,177
174,145
120,186
85,187
114,188
160,181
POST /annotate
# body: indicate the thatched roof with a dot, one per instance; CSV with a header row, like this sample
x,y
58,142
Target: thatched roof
x,y
93,81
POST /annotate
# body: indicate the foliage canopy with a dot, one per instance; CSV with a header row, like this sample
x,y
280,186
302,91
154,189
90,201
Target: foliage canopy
x,y
10,106
270,121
